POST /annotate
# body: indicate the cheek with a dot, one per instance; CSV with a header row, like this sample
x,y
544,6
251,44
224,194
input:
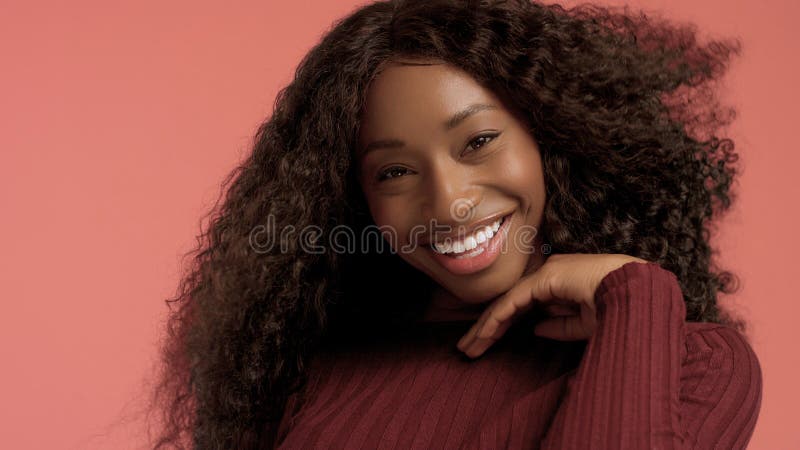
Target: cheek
x,y
383,212
520,171
523,179
390,216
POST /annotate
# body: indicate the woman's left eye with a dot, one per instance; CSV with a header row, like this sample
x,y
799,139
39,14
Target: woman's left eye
x,y
482,140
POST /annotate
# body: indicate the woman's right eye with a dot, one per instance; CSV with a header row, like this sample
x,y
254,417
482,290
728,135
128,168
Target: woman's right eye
x,y
391,172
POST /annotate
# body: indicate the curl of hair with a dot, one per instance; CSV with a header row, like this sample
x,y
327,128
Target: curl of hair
x,y
621,104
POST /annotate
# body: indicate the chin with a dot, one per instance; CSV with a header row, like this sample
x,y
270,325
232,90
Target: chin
x,y
483,288
477,288
479,292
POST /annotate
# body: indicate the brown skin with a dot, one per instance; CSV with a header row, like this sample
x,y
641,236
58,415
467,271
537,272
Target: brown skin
x,y
566,284
437,169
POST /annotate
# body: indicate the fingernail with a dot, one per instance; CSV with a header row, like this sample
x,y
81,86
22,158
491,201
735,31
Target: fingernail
x,y
464,339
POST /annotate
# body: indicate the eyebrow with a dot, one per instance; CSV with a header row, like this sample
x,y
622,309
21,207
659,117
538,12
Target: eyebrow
x,y
448,125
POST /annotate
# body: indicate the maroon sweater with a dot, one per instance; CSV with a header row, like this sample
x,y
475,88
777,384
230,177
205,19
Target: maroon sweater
x,y
645,379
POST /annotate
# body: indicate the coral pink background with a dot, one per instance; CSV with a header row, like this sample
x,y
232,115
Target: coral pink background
x,y
119,121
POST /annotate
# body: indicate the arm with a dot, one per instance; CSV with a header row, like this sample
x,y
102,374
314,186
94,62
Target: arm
x,y
721,388
638,386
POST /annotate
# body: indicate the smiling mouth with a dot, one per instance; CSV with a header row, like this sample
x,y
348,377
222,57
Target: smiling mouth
x,y
471,245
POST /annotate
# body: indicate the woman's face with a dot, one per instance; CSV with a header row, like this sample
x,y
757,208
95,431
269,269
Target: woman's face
x,y
439,160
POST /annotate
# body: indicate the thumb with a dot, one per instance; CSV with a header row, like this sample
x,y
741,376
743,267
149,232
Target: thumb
x,y
562,328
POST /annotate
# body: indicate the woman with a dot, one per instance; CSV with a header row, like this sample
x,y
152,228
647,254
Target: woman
x,y
545,184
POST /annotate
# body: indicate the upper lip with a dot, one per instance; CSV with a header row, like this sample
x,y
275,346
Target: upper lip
x,y
440,238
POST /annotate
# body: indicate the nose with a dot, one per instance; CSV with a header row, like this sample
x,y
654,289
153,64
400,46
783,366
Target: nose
x,y
450,197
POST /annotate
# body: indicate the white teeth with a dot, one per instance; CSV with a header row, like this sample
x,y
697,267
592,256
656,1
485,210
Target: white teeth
x,y
480,236
470,243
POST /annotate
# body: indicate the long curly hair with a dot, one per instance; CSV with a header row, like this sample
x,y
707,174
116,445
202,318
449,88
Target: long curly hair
x,y
623,108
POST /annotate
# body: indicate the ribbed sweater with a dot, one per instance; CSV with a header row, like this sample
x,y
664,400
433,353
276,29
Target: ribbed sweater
x,y
645,379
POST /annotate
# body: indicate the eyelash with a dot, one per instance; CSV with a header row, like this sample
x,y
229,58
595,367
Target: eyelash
x,y
491,136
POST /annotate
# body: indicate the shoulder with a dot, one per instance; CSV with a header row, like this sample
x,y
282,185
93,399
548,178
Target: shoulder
x,y
712,347
721,384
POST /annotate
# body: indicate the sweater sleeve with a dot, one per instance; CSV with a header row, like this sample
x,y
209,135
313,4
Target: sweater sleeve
x,y
643,382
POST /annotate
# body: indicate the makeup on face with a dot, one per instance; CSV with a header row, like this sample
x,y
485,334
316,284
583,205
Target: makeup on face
x,y
432,138
475,252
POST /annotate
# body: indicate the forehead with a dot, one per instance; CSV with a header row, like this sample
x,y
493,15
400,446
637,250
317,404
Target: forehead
x,y
404,98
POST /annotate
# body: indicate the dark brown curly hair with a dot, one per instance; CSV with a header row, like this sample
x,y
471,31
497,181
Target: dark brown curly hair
x,y
621,105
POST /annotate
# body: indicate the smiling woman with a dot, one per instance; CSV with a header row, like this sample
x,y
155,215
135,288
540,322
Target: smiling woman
x,y
546,189
446,140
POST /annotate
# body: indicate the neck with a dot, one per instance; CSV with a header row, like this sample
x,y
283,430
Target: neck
x,y
445,306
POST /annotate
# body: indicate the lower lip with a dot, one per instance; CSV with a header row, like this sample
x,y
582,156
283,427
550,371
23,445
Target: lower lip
x,y
467,265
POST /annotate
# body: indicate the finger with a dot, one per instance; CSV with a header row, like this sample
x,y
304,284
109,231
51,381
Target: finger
x,y
569,328
489,328
520,298
471,335
494,326
558,328
488,331
513,303
467,338
560,310
483,340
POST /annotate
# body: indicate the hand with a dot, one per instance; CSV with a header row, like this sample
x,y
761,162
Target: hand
x,y
565,285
